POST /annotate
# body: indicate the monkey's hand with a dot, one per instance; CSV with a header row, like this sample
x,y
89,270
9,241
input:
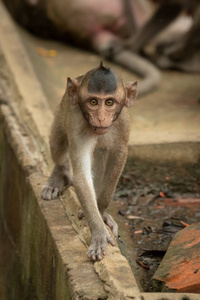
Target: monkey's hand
x,y
97,249
50,192
59,178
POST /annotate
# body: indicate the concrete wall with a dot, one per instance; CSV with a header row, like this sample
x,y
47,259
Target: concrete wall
x,y
32,266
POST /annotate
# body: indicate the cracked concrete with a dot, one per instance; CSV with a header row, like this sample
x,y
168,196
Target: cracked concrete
x,y
47,243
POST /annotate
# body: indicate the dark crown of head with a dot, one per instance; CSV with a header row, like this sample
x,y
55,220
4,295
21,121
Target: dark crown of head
x,y
102,80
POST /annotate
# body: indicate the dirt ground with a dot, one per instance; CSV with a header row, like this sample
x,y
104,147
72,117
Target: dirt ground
x,y
149,206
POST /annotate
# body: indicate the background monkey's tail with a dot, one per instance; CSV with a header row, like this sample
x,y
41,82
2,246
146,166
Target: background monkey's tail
x,y
142,67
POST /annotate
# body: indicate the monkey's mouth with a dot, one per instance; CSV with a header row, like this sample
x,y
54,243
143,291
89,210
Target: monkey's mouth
x,y
100,130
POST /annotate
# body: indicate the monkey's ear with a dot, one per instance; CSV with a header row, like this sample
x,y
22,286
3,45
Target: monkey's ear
x,y
72,90
131,93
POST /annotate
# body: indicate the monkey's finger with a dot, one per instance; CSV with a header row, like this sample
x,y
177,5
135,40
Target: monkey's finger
x,y
101,251
95,253
93,257
55,193
47,193
115,231
99,256
103,248
110,241
114,228
43,193
91,254
111,224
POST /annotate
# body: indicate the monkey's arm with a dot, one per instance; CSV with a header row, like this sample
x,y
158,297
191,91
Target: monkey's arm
x,y
60,175
81,160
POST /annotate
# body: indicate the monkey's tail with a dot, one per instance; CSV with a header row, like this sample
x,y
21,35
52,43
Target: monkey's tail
x,y
140,66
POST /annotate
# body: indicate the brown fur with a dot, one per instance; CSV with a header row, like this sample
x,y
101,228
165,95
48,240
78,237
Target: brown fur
x,y
96,155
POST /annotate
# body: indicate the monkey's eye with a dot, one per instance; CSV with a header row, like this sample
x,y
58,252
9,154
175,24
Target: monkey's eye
x,y
93,102
109,102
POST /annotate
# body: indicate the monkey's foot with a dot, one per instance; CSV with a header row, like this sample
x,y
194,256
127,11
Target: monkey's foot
x,y
97,249
108,220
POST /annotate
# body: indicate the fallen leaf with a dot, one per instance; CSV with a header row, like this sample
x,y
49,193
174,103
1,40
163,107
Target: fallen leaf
x,y
137,231
130,217
46,53
52,53
142,265
160,207
162,194
184,224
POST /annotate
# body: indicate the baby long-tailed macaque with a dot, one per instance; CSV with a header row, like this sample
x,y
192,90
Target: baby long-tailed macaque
x,y
89,147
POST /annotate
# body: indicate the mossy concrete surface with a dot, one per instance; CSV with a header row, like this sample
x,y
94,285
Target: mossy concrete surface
x,y
43,245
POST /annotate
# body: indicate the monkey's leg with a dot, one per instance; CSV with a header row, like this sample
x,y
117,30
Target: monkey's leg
x,y
164,15
114,167
185,53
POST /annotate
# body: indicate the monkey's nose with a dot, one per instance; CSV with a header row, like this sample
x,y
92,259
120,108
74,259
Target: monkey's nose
x,y
101,120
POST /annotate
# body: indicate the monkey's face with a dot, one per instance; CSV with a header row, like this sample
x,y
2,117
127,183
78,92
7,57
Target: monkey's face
x,y
101,110
101,95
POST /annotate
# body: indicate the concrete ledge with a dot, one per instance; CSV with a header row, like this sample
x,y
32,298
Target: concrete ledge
x,y
47,244
181,153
